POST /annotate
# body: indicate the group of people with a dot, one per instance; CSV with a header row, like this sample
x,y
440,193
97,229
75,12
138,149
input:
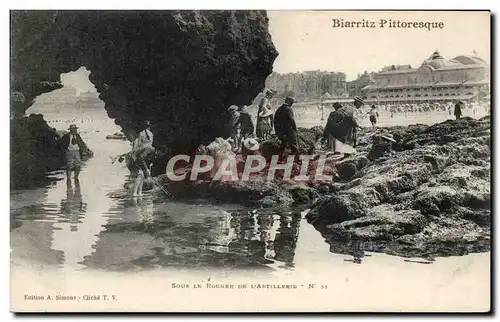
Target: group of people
x,y
340,130
341,125
243,131
477,108
138,160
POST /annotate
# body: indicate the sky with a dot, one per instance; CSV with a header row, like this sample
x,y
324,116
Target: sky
x,y
306,40
78,79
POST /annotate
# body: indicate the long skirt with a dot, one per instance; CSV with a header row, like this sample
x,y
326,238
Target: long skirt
x,y
265,130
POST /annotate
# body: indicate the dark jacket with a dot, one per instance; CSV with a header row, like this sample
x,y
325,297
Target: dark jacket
x,y
339,123
246,124
284,122
65,142
458,109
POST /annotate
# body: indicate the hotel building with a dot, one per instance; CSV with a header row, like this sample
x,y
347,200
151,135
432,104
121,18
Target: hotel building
x,y
436,80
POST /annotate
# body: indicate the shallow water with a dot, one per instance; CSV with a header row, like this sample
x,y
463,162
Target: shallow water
x,y
96,225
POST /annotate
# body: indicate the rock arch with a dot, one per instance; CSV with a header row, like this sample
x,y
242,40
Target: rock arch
x,y
179,69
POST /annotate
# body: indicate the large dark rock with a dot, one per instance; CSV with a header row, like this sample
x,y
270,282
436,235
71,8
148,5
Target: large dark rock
x,y
179,69
34,150
430,197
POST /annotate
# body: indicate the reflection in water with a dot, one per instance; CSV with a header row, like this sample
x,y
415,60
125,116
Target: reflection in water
x,y
152,236
73,207
143,207
286,240
74,232
344,245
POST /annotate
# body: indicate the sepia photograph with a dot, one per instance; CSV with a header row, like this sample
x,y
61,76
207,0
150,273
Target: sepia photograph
x,y
250,161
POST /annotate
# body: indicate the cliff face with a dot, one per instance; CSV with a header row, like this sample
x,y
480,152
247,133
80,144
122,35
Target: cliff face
x,y
34,151
179,69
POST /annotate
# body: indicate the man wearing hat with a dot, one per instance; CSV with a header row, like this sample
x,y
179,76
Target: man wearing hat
x,y
73,147
285,127
264,104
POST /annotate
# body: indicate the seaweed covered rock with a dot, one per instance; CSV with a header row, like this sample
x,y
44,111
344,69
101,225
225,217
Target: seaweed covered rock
x,y
430,198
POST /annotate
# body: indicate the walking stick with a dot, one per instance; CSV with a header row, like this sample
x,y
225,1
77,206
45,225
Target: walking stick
x,y
355,136
161,187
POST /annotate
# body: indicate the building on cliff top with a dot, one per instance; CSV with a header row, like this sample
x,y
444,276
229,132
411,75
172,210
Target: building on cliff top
x,y
437,79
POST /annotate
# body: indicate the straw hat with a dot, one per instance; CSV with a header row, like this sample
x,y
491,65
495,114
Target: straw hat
x,y
233,108
251,144
73,127
388,137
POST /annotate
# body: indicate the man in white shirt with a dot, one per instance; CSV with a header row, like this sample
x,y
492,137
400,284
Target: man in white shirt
x,y
73,147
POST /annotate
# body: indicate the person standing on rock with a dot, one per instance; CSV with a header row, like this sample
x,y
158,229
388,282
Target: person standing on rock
x,y
266,122
73,147
234,129
373,115
334,129
264,104
245,123
458,109
285,127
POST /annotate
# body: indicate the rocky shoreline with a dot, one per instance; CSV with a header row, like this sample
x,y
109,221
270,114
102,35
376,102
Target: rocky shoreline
x,y
431,197
428,196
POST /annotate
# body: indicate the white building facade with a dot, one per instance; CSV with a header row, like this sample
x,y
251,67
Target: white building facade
x,y
436,80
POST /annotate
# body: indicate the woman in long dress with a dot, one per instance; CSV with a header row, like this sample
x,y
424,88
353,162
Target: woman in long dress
x,y
266,126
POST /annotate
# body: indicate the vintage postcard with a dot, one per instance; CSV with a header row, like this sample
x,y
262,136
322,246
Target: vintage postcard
x,y
250,161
